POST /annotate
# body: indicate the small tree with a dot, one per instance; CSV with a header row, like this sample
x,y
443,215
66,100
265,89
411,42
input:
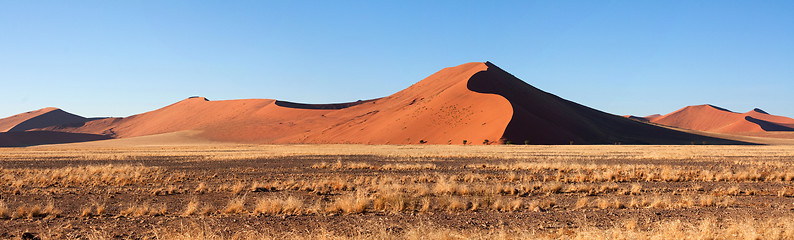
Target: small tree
x,y
464,141
526,142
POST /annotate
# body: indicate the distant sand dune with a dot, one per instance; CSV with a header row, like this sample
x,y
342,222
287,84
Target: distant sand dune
x,y
715,119
41,118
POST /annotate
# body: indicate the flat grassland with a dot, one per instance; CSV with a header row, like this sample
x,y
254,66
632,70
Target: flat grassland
x,y
397,192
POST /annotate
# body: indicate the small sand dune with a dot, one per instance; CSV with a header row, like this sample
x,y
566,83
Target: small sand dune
x,y
715,119
652,117
41,118
643,119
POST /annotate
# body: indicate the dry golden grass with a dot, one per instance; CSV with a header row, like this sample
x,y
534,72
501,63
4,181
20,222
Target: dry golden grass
x,y
402,166
235,206
776,228
576,152
429,181
393,200
35,211
201,188
101,175
786,192
364,165
238,188
144,210
191,208
168,190
582,203
579,173
448,186
604,203
5,212
194,208
507,205
87,211
280,206
356,202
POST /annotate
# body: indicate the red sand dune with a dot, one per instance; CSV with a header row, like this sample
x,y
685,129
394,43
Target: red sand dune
x,y
438,110
473,102
44,117
715,119
643,119
652,117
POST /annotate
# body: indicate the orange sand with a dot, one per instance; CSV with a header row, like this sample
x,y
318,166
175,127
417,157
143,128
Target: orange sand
x,y
714,119
38,119
437,110
476,102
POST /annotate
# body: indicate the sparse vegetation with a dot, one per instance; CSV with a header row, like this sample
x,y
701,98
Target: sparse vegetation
x,y
143,210
630,190
281,206
235,206
4,211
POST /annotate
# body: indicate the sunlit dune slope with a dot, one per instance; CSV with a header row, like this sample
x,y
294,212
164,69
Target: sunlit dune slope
x,y
715,119
38,119
437,110
476,103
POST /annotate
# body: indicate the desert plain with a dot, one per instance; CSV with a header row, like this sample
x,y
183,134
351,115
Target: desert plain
x,y
470,152
351,191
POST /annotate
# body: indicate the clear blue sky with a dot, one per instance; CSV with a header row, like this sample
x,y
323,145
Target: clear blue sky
x,y
118,58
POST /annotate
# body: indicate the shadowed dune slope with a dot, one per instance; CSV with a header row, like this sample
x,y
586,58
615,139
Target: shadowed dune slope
x,y
763,115
31,138
715,119
38,119
320,106
543,118
767,125
475,102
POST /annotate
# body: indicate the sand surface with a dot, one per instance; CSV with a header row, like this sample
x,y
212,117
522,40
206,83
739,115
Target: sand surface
x,y
473,103
38,119
714,119
180,138
437,110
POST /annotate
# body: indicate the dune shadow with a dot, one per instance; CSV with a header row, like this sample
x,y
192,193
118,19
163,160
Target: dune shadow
x,y
543,118
768,126
33,138
719,108
330,106
52,118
